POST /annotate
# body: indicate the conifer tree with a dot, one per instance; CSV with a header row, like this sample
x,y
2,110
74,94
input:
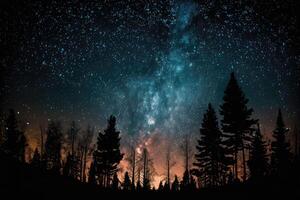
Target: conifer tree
x,y
258,158
36,159
280,158
14,143
72,135
87,139
236,122
92,174
127,183
115,182
160,186
210,157
67,165
185,183
53,146
138,186
175,184
107,155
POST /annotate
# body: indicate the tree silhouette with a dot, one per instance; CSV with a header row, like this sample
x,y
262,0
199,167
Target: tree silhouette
x,y
72,136
258,158
131,157
169,164
115,182
73,165
14,139
210,157
92,174
193,184
139,186
175,185
185,183
36,159
127,185
146,170
53,146
86,142
160,186
67,166
236,122
108,155
280,158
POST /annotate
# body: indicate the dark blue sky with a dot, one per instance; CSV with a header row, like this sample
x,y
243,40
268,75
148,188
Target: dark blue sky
x,y
154,64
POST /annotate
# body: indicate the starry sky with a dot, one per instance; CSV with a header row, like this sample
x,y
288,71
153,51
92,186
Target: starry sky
x,y
154,64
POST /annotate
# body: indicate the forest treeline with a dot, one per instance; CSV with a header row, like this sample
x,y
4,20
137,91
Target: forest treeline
x,y
229,151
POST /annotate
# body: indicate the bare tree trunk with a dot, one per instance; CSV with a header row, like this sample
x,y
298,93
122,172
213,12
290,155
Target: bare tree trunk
x,y
84,164
235,164
42,141
81,163
244,163
186,153
168,167
296,142
139,175
72,145
145,167
168,171
133,166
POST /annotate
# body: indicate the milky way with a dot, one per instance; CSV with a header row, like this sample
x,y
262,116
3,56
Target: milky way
x,y
153,64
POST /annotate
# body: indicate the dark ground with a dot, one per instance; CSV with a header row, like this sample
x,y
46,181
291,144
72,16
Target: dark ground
x,y
23,181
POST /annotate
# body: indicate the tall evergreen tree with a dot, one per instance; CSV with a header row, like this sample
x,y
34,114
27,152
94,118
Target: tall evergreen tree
x,y
160,186
166,187
185,183
72,135
175,185
53,146
138,185
236,122
115,182
127,183
36,159
210,157
92,174
67,166
146,170
87,139
14,139
280,158
258,158
108,156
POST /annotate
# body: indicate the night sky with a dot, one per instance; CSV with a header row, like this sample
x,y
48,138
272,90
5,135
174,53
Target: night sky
x,y
154,64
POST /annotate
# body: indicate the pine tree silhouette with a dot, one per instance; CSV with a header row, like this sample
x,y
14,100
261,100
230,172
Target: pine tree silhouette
x,y
36,159
236,122
87,140
185,183
280,158
92,174
115,182
127,185
193,184
210,157
146,170
72,135
175,185
258,158
139,186
108,156
160,186
53,146
14,140
67,166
